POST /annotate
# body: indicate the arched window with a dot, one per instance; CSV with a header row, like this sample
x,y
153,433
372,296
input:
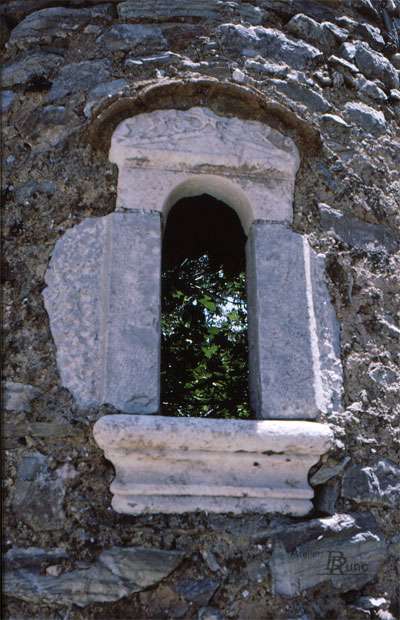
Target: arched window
x,y
104,303
204,353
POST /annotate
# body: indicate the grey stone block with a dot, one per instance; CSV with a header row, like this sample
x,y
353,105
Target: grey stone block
x,y
100,93
294,363
18,396
117,572
371,120
43,26
7,97
376,484
324,36
303,94
79,76
356,232
374,65
269,43
170,10
344,549
128,37
27,66
103,299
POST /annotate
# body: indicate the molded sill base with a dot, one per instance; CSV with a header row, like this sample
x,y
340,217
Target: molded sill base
x,y
177,465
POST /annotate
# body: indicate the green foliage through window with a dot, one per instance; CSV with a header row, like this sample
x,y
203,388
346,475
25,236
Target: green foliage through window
x,y
204,336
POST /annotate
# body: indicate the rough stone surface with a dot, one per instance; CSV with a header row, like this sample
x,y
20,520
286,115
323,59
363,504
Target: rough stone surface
x,y
118,572
374,65
127,37
199,592
294,364
270,43
100,93
79,76
39,493
323,36
168,465
326,472
27,66
7,97
165,10
378,483
17,396
326,496
356,232
303,94
31,189
371,120
44,26
346,550
105,317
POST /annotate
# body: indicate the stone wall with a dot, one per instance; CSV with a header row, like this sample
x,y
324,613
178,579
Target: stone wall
x,y
325,74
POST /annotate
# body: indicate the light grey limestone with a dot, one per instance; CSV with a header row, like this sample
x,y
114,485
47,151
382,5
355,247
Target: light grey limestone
x,y
18,396
79,76
104,307
118,572
171,10
378,483
294,362
128,37
344,549
168,465
167,155
270,43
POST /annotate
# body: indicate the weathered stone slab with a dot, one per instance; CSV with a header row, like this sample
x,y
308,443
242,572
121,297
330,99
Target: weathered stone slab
x,y
29,65
323,36
270,43
356,232
168,464
303,94
374,65
118,572
104,308
100,93
39,493
7,97
371,120
246,164
44,26
294,361
344,549
79,76
171,10
128,37
18,396
377,484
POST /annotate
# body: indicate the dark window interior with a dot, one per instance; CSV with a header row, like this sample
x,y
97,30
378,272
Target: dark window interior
x,y
204,368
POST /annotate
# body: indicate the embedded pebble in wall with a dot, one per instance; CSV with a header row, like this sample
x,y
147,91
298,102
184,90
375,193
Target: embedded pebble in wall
x,y
18,396
378,483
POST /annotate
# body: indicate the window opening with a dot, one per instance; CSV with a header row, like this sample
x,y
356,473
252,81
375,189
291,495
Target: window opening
x,y
204,359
